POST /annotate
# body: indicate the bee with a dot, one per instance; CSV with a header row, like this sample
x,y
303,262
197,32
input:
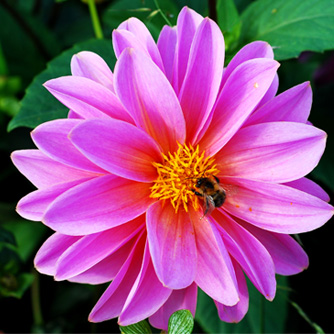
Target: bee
x,y
212,193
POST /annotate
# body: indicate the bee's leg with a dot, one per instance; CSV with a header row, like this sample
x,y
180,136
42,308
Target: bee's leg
x,y
207,206
196,192
216,178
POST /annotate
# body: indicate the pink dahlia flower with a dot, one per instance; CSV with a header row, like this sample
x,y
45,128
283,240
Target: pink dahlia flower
x,y
174,173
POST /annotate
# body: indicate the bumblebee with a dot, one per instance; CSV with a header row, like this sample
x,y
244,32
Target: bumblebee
x,y
212,193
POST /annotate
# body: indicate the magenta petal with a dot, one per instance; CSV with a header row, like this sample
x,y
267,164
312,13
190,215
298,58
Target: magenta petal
x,y
309,187
51,250
249,253
293,105
146,296
201,82
118,147
184,299
257,49
98,205
112,301
271,92
52,139
275,207
148,96
107,269
87,98
90,65
36,167
34,205
172,245
215,273
93,248
142,34
123,39
242,92
273,152
187,24
167,45
235,313
73,115
288,256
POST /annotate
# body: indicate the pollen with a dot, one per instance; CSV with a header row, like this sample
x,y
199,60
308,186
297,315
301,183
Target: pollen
x,y
177,176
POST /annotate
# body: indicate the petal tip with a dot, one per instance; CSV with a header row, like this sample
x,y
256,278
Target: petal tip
x,y
91,318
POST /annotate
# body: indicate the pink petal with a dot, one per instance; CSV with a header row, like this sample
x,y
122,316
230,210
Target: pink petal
x,y
309,187
87,98
202,79
240,95
112,301
93,248
271,92
44,172
184,299
187,24
148,96
142,34
123,39
34,205
275,207
52,139
288,256
47,256
90,65
273,152
167,46
98,205
257,49
146,296
107,269
249,253
73,115
235,313
215,273
118,147
293,105
172,245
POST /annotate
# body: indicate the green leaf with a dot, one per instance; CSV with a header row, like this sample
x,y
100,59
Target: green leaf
x,y
13,283
38,105
290,26
229,22
228,16
15,286
181,322
7,237
3,63
26,41
19,50
262,317
141,327
145,10
28,235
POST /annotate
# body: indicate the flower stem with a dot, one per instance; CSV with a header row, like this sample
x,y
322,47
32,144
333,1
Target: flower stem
x,y
35,300
162,13
262,318
95,19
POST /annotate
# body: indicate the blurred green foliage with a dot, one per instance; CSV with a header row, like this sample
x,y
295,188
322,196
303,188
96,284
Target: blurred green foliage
x,y
37,40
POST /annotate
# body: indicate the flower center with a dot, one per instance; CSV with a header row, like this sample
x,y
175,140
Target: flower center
x,y
177,176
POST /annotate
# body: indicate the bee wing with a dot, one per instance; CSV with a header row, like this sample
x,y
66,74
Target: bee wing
x,y
209,205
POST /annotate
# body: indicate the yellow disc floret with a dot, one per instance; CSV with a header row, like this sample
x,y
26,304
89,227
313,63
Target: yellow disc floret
x,y
177,176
